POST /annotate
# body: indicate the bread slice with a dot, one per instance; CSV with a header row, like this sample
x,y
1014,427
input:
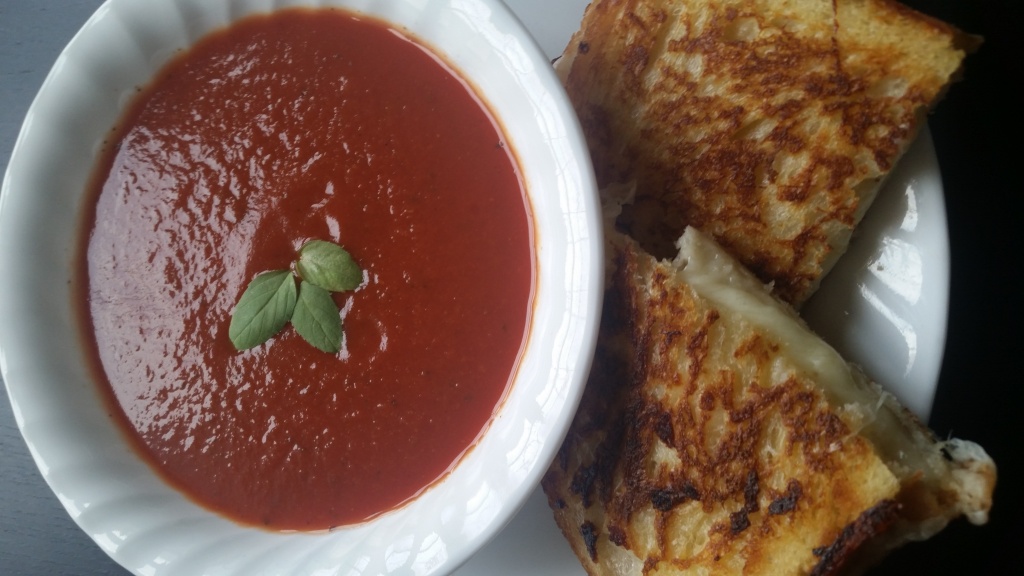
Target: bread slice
x,y
718,435
767,124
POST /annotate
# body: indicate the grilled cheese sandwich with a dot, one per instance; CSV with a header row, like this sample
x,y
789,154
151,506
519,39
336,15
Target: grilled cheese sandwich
x,y
767,124
718,435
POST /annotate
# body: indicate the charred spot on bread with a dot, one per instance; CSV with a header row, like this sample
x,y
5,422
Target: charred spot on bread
x,y
869,524
786,502
666,499
739,521
589,533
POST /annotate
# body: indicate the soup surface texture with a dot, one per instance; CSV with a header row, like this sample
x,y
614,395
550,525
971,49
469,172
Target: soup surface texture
x,y
306,124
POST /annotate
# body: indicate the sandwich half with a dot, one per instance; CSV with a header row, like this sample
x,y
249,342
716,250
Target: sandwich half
x,y
718,436
767,124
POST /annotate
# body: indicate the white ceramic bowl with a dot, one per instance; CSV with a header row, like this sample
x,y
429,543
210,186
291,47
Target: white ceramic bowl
x,y
150,528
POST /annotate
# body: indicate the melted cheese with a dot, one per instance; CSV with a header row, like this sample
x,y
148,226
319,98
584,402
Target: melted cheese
x,y
716,276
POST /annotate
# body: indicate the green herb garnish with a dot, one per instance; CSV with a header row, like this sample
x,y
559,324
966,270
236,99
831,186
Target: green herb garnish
x,y
265,307
271,300
328,266
316,318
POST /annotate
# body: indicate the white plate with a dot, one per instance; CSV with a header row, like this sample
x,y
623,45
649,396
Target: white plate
x,y
884,306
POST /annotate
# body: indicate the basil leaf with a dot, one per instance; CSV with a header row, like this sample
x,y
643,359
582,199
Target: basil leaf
x,y
329,266
316,318
264,308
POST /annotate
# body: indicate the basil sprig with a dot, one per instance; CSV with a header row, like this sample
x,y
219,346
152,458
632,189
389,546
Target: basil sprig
x,y
271,299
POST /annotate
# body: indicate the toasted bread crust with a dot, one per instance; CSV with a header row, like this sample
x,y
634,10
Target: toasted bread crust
x,y
767,124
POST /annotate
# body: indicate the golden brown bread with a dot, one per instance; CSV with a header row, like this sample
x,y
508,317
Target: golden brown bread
x,y
768,124
717,435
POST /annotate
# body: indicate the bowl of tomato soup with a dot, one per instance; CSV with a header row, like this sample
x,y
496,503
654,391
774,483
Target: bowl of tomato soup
x,y
297,289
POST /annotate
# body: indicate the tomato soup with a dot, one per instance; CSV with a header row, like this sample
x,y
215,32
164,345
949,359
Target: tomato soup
x,y
284,128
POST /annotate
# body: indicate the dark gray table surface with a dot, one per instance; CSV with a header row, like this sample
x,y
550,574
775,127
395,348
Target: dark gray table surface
x,y
978,133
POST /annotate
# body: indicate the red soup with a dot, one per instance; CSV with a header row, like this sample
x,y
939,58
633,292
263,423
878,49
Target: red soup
x,y
307,124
